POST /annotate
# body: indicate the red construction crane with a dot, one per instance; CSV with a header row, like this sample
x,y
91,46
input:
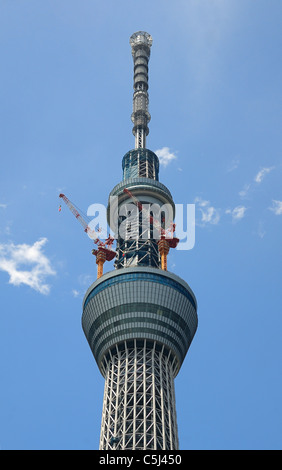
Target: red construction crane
x,y
104,251
166,242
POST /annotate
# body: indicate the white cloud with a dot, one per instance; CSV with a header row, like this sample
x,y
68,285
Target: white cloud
x,y
13,258
165,156
258,179
210,215
233,165
244,192
85,280
3,206
261,232
75,293
276,207
261,174
237,213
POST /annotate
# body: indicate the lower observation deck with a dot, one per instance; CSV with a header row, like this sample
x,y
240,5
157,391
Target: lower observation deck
x,y
136,304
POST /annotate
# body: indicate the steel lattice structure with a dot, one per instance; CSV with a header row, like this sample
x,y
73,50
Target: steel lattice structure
x,y
139,400
139,319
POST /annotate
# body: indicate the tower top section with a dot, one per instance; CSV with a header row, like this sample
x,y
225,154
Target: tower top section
x,y
140,38
141,43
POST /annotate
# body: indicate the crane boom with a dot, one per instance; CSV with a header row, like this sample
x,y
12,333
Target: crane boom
x,y
92,234
104,251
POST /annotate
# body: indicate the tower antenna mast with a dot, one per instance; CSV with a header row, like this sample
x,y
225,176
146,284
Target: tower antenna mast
x,y
141,43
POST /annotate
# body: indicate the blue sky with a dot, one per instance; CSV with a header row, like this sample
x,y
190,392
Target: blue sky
x,y
215,99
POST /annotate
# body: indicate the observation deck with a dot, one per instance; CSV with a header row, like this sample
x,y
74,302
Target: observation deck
x,y
139,303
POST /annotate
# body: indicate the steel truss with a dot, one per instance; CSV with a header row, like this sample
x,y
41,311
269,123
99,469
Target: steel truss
x,y
139,399
137,246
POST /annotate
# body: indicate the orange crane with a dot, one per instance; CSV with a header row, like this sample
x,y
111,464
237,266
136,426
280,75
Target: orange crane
x,y
104,251
166,242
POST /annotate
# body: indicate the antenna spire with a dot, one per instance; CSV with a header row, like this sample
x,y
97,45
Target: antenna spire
x,y
141,43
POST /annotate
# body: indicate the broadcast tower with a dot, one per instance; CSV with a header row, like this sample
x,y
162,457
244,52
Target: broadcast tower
x,y
140,319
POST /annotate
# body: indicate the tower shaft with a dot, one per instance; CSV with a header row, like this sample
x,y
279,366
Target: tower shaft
x,y
139,400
